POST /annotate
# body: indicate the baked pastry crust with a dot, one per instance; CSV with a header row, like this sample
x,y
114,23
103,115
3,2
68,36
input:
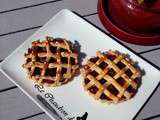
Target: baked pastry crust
x,y
111,77
52,62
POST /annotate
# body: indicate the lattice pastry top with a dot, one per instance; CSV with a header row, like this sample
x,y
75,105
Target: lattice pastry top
x,y
111,77
52,62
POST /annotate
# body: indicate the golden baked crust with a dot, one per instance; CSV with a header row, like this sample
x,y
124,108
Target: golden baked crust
x,y
111,77
52,62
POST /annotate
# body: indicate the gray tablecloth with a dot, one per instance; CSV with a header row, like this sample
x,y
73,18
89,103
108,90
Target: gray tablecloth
x,y
21,18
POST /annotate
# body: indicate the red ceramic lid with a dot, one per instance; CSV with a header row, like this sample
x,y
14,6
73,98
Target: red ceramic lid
x,y
120,33
153,5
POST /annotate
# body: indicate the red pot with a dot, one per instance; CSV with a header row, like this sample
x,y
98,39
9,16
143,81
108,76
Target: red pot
x,y
133,17
123,31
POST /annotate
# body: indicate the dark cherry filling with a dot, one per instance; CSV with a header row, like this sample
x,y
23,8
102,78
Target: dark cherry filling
x,y
102,81
104,97
86,80
62,80
111,72
112,89
123,97
121,81
129,73
71,70
51,72
29,60
94,73
73,49
64,60
58,40
94,60
37,71
111,57
64,70
72,60
53,49
103,65
29,50
41,59
63,50
52,60
93,89
136,80
120,65
130,89
48,81
41,49
34,50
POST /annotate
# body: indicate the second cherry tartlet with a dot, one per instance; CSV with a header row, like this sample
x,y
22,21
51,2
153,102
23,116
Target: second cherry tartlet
x,y
111,77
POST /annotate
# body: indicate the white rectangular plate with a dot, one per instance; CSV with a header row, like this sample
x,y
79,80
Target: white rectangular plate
x,y
70,100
